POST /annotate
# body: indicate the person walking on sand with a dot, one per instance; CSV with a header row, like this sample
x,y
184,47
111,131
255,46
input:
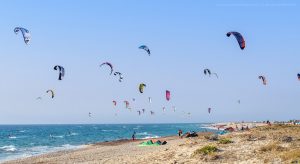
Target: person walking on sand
x,y
133,136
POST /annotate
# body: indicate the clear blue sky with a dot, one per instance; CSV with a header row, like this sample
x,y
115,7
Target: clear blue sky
x,y
184,36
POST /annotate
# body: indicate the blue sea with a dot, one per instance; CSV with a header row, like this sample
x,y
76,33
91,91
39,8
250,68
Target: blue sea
x,y
19,141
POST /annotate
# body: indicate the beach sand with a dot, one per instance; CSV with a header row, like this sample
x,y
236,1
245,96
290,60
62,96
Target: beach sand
x,y
262,144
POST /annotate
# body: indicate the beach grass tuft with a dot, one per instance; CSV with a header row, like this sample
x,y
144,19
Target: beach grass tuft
x,y
225,141
212,137
293,155
274,146
209,149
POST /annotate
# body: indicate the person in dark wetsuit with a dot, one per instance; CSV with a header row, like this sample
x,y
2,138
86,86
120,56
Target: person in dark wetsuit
x,y
133,136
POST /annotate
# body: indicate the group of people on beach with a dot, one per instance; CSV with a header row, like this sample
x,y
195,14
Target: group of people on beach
x,y
187,134
180,134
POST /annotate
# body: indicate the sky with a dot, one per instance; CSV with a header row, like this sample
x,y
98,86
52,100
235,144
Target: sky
x,y
184,37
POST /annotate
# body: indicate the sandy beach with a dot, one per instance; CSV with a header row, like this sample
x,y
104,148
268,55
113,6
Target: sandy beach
x,y
260,144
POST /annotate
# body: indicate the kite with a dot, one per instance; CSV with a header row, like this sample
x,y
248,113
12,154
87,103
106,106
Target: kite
x,y
151,112
264,80
108,64
120,76
168,95
239,38
52,93
144,47
207,71
61,71
25,33
126,104
141,87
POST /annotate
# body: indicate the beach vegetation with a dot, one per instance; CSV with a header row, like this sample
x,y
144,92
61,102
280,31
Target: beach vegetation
x,y
274,146
292,156
212,137
209,149
225,141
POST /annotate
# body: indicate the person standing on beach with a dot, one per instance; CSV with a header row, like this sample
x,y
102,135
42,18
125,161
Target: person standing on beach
x,y
179,133
133,136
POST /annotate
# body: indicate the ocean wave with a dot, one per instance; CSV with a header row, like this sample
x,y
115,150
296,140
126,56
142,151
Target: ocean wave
x,y
33,151
109,130
142,134
8,148
58,136
146,135
12,137
137,127
150,137
36,150
47,149
204,125
20,137
22,131
210,128
68,146
74,134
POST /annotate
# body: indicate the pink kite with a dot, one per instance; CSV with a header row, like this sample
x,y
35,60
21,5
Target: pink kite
x,y
168,95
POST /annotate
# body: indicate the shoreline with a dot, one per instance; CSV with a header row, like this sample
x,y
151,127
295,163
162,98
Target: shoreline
x,y
20,155
109,148
211,128
53,150
88,146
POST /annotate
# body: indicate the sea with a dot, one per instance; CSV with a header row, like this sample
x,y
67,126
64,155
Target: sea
x,y
20,141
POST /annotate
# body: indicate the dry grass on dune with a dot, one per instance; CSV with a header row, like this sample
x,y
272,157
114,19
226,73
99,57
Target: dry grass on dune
x,y
268,144
272,147
282,142
293,155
